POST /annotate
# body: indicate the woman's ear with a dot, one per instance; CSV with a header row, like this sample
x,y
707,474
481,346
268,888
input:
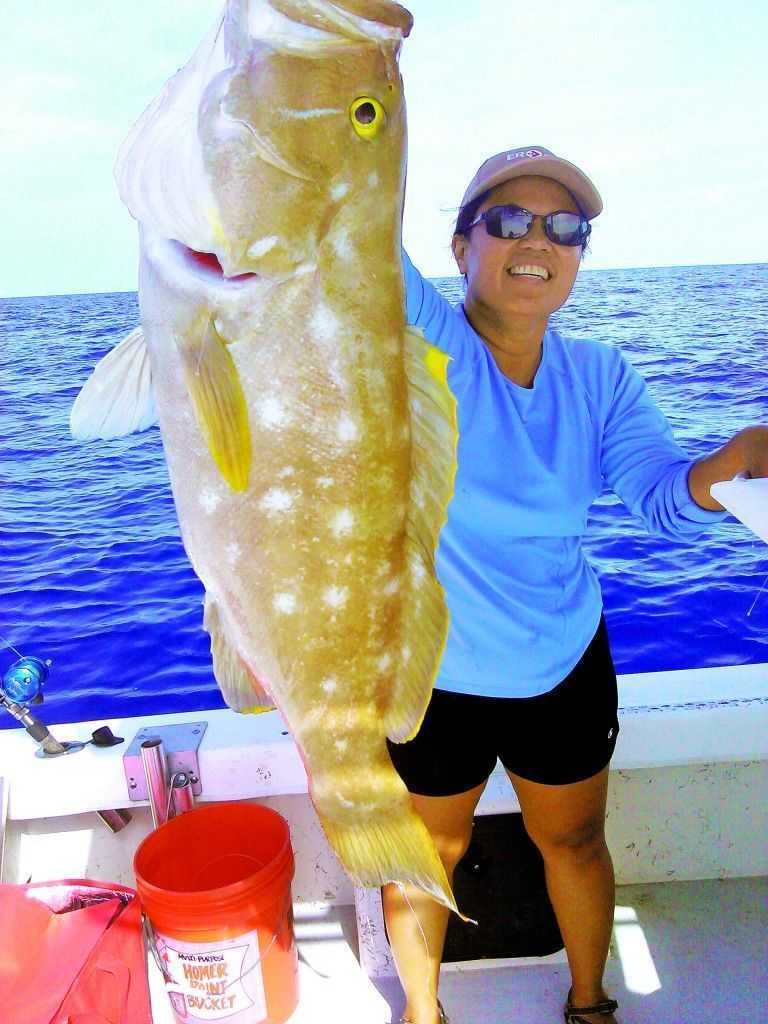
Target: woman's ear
x,y
459,245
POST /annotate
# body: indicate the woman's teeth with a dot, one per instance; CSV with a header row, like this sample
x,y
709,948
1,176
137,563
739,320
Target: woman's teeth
x,y
530,270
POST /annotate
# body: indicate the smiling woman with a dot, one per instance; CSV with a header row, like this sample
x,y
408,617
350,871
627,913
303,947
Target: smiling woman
x,y
527,676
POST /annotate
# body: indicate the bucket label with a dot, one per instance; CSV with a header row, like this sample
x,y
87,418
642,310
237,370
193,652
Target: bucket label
x,y
214,980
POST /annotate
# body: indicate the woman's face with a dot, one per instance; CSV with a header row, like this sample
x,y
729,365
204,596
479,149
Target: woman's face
x,y
497,281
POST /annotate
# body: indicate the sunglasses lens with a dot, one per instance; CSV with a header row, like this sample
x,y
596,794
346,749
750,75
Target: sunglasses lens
x,y
509,222
567,228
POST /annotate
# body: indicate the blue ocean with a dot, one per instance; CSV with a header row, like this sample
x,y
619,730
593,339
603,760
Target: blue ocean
x,y
93,574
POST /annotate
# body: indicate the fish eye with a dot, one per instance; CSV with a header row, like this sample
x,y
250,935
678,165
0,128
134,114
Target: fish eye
x,y
367,116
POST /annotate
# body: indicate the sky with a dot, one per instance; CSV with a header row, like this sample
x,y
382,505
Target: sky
x,y
661,104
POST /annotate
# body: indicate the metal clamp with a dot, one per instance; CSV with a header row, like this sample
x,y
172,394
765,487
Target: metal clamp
x,y
161,763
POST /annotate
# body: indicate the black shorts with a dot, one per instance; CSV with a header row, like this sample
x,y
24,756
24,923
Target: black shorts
x,y
559,737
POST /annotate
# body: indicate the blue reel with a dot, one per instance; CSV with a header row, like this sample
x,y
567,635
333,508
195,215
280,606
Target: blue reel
x,y
23,682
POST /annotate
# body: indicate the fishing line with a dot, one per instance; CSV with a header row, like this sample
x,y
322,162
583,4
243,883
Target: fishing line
x,y
404,894
762,588
9,644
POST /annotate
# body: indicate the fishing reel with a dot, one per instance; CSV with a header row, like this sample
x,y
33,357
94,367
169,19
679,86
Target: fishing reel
x,y
23,682
21,689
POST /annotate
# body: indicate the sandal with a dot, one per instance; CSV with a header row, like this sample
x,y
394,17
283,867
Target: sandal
x,y
572,1012
440,1010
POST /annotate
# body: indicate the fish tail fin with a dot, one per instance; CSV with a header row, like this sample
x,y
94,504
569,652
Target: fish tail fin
x,y
391,847
424,623
117,399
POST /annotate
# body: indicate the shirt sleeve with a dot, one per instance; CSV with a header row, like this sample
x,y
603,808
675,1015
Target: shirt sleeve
x,y
645,466
428,309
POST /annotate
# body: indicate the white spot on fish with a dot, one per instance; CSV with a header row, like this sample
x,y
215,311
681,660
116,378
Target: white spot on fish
x,y
384,662
286,472
342,245
341,745
285,603
272,412
392,587
418,571
373,179
343,800
347,429
335,597
406,654
324,323
261,246
276,500
210,500
343,522
340,190
330,685
232,553
325,481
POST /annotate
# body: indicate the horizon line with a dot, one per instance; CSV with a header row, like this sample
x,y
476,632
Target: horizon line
x,y
432,277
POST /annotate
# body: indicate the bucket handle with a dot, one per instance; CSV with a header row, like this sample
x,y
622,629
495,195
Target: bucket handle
x,y
171,984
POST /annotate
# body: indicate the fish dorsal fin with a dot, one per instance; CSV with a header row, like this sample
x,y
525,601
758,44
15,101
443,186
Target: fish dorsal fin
x,y
241,689
424,625
219,403
356,20
117,399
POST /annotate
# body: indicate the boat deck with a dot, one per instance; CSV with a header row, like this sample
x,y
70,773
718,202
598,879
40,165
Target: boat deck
x,y
682,953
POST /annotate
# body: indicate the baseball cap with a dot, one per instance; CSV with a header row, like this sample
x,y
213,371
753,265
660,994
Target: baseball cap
x,y
514,163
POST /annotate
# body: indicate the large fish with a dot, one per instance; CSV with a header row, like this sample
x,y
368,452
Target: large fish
x,y
310,435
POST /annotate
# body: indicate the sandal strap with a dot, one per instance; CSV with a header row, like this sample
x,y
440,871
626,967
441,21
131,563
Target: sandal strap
x,y
440,1010
605,1007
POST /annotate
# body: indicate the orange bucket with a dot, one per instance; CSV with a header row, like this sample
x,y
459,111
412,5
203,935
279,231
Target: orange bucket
x,y
215,884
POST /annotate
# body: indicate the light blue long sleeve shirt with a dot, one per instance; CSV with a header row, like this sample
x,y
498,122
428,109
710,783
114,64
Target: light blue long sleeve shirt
x,y
524,602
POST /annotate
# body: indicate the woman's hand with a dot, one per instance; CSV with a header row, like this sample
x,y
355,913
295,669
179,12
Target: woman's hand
x,y
756,451
746,452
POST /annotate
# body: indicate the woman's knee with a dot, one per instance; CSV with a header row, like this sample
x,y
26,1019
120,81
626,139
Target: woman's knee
x,y
582,842
452,848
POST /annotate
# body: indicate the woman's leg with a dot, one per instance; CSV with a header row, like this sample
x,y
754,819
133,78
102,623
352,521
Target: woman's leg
x,y
567,825
417,932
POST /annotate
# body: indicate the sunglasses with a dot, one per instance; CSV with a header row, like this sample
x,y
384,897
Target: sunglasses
x,y
561,227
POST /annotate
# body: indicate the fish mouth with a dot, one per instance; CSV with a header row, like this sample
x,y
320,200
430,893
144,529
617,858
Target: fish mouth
x,y
207,264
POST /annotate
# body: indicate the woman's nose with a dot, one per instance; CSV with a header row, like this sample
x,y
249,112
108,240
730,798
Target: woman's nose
x,y
536,237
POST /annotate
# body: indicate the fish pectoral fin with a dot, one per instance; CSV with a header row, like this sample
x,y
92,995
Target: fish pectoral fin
x,y
240,688
219,405
424,623
117,399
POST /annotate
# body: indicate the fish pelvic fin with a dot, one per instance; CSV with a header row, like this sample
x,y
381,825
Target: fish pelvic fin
x,y
117,399
424,625
240,688
391,847
219,405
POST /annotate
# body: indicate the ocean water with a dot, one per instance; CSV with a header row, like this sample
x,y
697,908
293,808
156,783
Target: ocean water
x,y
93,574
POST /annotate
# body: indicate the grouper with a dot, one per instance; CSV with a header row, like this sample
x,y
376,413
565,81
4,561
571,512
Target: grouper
x,y
310,433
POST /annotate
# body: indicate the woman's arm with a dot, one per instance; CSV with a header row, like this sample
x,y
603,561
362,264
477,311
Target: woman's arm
x,y
642,462
746,452
428,309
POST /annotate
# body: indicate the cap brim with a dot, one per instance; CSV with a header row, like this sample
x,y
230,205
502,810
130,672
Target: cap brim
x,y
562,171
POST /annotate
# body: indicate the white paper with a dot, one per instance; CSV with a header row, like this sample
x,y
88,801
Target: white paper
x,y
747,500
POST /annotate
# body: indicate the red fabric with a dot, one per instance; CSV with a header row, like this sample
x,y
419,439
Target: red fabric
x,y
72,952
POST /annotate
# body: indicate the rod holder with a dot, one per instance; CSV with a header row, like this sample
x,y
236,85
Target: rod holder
x,y
156,774
182,797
